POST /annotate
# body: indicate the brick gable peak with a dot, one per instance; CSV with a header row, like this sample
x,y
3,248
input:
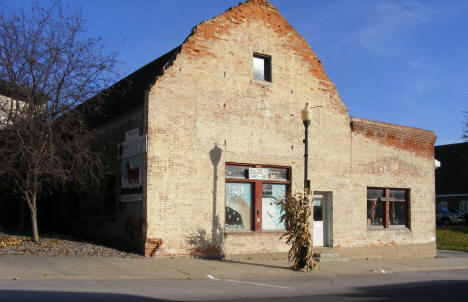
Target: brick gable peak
x,y
261,2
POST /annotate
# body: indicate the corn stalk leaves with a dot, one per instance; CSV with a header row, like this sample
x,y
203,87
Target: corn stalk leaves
x,y
295,213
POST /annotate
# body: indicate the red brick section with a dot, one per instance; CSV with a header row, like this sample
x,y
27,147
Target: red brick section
x,y
419,141
152,245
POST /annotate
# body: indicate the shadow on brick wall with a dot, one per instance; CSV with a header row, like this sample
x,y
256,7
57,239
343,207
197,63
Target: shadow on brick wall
x,y
206,245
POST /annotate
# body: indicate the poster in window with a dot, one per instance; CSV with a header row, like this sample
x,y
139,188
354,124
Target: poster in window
x,y
271,211
238,207
131,170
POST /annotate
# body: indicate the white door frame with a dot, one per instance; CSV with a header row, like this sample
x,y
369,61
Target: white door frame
x,y
323,230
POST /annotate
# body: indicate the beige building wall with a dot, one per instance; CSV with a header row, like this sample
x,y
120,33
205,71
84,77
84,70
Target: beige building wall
x,y
391,156
206,104
9,107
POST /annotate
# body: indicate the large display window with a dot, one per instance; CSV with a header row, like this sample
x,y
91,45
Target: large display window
x,y
252,194
387,208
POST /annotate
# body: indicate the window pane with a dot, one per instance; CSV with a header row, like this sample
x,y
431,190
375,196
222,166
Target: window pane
x,y
236,172
398,194
397,213
374,193
238,206
375,210
271,194
277,174
259,68
318,209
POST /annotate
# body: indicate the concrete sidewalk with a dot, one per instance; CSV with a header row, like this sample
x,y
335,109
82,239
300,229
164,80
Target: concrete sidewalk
x,y
98,268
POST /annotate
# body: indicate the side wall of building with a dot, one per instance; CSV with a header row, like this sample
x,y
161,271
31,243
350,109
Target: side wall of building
x,y
101,214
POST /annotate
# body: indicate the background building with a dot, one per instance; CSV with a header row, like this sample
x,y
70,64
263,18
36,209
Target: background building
x,y
452,176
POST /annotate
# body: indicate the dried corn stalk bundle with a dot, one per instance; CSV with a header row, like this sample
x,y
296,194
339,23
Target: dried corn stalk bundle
x,y
295,213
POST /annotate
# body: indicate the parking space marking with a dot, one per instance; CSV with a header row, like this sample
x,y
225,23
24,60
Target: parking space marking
x,y
249,283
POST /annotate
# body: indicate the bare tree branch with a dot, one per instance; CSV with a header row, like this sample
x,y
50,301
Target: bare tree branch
x,y
47,68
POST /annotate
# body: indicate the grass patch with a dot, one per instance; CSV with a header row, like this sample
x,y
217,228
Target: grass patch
x,y
453,238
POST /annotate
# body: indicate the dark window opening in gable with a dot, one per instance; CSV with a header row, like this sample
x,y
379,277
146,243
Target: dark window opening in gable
x,y
262,67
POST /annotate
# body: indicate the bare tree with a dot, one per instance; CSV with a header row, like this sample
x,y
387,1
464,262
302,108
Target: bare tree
x,y
47,68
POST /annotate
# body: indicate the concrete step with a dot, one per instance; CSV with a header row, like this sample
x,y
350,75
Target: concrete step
x,y
329,257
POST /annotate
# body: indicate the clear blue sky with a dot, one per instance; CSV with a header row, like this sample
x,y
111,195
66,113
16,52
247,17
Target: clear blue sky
x,y
403,62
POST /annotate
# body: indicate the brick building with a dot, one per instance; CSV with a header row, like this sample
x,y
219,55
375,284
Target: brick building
x,y
209,136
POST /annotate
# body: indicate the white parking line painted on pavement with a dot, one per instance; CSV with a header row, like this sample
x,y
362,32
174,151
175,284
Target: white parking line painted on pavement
x,y
250,283
431,274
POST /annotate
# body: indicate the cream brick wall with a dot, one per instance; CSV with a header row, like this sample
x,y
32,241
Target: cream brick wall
x,y
377,165
207,99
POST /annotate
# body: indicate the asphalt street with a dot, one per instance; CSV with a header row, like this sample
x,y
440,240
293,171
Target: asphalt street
x,y
448,285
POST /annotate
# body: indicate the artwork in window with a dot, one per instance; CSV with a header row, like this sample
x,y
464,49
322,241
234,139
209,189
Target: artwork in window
x,y
271,194
397,213
238,206
375,210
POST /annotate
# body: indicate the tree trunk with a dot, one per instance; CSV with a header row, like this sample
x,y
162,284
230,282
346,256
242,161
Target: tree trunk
x,y
33,212
35,231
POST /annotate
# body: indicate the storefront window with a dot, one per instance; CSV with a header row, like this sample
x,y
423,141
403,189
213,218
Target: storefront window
x,y
252,193
238,206
387,207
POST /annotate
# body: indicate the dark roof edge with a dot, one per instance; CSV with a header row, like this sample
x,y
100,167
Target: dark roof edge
x,y
452,144
127,92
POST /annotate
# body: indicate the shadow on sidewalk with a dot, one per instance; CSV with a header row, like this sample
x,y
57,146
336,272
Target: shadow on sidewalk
x,y
57,296
257,264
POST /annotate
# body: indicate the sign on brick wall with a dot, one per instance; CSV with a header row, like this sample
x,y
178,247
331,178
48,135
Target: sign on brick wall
x,y
133,147
132,159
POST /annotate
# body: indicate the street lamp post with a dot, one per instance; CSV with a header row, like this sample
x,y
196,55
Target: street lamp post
x,y
306,119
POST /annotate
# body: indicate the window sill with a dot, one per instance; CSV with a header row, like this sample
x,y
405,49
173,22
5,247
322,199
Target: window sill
x,y
253,232
261,82
391,228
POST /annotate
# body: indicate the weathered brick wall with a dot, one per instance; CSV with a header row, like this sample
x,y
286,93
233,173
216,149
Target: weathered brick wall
x,y
385,155
207,100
